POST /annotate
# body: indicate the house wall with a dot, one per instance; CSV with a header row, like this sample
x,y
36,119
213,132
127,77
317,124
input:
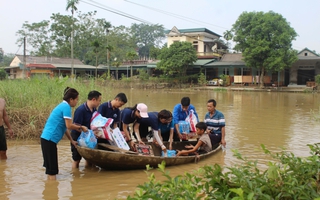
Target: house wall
x,y
172,39
306,53
15,62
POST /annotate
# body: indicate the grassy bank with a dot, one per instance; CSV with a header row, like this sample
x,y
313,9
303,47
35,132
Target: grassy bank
x,y
29,102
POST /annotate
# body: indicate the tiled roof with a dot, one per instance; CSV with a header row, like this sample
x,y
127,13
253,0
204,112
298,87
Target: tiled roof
x,y
306,49
232,57
192,30
33,65
49,60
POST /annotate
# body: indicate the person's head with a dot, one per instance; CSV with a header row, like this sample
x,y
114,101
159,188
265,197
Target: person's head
x,y
71,95
201,128
185,103
211,105
165,116
141,110
119,100
94,97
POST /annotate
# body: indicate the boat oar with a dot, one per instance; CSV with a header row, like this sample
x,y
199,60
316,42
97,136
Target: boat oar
x,y
117,149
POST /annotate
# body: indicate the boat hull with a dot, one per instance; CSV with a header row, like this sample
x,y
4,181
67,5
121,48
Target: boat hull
x,y
123,161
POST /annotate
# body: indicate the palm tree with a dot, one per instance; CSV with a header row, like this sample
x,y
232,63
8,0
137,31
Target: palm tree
x,y
96,47
131,56
227,35
71,4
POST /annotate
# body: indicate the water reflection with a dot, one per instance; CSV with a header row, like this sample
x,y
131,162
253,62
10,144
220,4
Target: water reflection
x,y
253,118
51,190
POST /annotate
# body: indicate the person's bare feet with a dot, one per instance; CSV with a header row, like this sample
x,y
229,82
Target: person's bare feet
x,y
52,177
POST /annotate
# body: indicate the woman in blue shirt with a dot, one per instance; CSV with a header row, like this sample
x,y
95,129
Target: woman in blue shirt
x,y
58,124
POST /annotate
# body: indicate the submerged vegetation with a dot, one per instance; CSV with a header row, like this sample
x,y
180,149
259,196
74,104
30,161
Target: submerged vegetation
x,y
287,177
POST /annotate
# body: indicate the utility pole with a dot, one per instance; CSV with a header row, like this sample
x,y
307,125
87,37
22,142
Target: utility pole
x,y
108,57
24,58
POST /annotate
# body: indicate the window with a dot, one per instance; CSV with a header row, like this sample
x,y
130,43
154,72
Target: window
x,y
305,54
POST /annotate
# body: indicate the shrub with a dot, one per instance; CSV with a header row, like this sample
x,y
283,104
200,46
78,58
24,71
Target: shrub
x,y
288,177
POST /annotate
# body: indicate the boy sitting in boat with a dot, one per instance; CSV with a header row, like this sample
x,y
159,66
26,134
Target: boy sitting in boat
x,y
203,145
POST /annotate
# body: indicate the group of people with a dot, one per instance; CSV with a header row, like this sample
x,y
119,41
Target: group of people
x,y
164,125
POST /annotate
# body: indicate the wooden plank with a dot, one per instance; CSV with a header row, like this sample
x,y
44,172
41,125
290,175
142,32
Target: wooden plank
x,y
117,149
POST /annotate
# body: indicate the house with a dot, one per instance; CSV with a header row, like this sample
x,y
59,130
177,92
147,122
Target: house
x,y
51,66
207,43
303,71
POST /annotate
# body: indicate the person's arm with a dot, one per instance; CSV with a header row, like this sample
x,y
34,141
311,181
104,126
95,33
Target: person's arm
x,y
178,131
137,132
6,121
71,126
175,116
126,132
156,135
194,149
75,143
223,134
171,138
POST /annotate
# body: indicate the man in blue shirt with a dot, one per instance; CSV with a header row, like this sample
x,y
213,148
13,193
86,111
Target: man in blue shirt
x,y
180,113
216,123
82,116
111,109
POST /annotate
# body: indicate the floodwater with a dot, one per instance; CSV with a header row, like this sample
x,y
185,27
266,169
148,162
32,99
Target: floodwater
x,y
277,120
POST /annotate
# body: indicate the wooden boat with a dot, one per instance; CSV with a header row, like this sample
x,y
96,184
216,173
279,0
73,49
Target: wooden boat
x,y
111,157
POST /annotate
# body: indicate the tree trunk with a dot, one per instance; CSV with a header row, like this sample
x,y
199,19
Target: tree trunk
x,y
96,66
72,35
262,78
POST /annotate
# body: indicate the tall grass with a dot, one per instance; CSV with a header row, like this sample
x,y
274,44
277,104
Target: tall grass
x,y
29,102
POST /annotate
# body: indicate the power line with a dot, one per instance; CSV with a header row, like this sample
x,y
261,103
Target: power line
x,y
104,7
176,15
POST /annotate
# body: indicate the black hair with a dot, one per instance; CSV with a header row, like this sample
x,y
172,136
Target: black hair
x,y
213,102
164,114
201,126
122,97
133,108
70,93
94,95
185,101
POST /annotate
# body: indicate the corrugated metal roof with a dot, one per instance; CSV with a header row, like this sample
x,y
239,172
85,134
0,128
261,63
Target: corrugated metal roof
x,y
202,62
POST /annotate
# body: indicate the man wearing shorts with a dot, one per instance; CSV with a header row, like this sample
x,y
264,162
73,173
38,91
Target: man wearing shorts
x,y
4,119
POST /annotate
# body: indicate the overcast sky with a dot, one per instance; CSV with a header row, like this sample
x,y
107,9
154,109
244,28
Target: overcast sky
x,y
217,16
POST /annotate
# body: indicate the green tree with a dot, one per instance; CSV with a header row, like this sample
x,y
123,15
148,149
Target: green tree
x,y
38,37
71,4
96,48
7,59
265,40
147,36
154,52
176,59
131,55
1,55
3,74
227,35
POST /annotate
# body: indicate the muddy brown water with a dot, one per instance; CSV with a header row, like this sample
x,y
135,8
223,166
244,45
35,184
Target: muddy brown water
x,y
277,120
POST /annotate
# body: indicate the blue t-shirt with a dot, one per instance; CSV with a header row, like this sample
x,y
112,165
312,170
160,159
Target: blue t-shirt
x,y
165,128
181,115
216,122
106,110
55,126
151,121
83,115
127,116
